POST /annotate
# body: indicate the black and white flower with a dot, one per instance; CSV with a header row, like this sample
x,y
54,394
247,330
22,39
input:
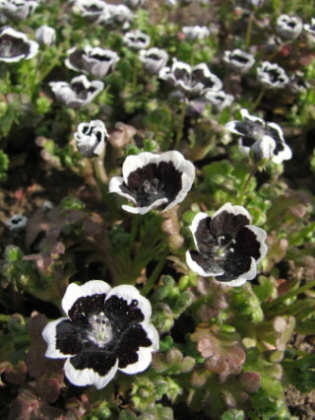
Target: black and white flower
x,y
271,75
93,60
45,35
120,14
79,92
264,139
219,100
228,246
15,46
309,28
194,81
239,60
16,222
196,32
135,3
153,59
298,83
154,181
106,330
289,27
94,10
90,138
184,2
136,39
18,9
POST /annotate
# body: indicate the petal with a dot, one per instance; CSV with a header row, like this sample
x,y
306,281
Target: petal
x,y
242,278
61,339
91,368
134,162
125,305
200,264
247,116
261,237
199,226
143,210
78,298
115,186
229,219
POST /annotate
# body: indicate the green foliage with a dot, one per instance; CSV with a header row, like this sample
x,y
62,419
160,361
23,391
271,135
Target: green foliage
x,y
300,371
4,165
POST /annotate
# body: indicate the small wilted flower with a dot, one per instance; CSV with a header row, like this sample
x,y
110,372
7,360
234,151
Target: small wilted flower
x,y
154,181
194,81
271,75
135,3
228,246
15,46
16,222
18,9
79,92
219,100
309,28
136,39
239,60
45,35
90,138
106,330
93,60
196,32
153,59
289,27
265,139
298,83
93,10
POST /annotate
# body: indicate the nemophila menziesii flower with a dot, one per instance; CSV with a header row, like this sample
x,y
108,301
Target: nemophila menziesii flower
x,y
239,60
309,28
90,138
120,14
93,60
289,27
154,181
79,92
135,3
228,246
16,222
153,59
271,75
93,10
264,139
136,39
106,330
15,46
298,83
194,81
219,100
196,32
18,9
45,35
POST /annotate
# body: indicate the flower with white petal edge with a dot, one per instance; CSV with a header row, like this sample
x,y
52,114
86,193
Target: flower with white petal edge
x,y
105,330
15,46
196,32
264,139
229,247
45,35
298,83
93,60
219,100
153,59
16,222
93,10
239,60
136,39
309,28
194,81
154,181
90,138
289,27
271,75
18,9
135,3
78,93
119,14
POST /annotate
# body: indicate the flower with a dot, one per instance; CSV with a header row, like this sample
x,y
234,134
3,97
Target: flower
x,y
45,35
271,75
196,32
15,46
219,100
90,138
153,59
154,181
16,222
79,92
309,28
121,14
18,9
94,60
194,81
289,27
106,330
265,139
239,60
136,39
135,3
298,83
94,10
228,246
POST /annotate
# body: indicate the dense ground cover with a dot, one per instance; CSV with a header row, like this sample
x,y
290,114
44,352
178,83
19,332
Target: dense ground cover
x,y
174,163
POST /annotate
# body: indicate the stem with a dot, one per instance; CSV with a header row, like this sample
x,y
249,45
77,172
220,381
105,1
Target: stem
x,y
171,227
154,276
249,29
180,127
245,185
259,98
100,172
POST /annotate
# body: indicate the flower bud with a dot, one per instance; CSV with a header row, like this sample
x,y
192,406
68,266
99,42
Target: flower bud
x,y
45,35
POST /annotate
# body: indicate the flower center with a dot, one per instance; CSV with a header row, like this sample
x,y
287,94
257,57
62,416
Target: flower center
x,y
224,246
100,332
